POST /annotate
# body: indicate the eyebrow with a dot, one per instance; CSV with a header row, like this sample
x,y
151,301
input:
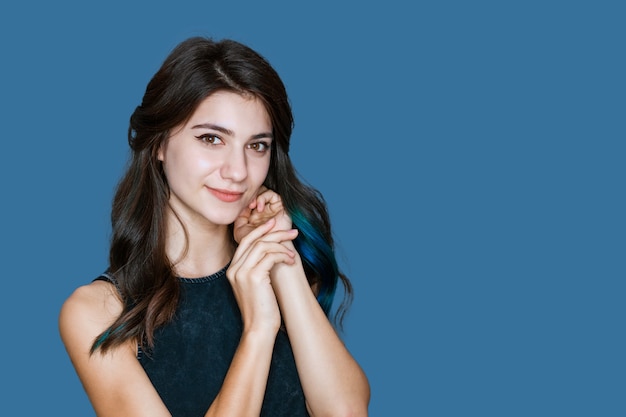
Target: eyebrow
x,y
230,132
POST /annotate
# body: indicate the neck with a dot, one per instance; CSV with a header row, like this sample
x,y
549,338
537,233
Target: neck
x,y
202,250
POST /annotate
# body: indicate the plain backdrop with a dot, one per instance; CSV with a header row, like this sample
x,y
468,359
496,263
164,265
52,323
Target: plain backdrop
x,y
471,155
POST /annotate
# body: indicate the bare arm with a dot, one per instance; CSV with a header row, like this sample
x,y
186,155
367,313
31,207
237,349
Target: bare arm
x,y
333,383
249,275
116,383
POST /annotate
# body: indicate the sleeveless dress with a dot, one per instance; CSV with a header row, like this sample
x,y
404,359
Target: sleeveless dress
x,y
193,352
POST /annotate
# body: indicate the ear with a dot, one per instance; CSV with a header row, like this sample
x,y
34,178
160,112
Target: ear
x,y
160,153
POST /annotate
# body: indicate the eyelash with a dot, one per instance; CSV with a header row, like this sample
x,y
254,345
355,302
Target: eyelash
x,y
265,146
205,138
211,138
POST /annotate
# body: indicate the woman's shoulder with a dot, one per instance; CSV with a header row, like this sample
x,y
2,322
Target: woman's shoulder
x,y
89,311
98,298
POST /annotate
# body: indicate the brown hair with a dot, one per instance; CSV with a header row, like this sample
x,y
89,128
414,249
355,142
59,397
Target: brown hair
x,y
195,68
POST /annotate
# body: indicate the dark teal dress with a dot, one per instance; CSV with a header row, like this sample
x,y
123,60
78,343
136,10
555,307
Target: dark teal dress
x,y
192,354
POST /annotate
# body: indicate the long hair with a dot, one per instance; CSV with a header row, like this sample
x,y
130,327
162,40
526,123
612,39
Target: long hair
x,y
144,275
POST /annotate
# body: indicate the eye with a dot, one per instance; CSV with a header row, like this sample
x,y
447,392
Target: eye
x,y
260,147
209,139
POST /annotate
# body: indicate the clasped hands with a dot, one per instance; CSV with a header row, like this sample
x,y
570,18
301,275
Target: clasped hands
x,y
263,231
266,205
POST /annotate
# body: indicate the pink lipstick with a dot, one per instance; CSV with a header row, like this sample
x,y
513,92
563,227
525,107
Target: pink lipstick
x,y
225,195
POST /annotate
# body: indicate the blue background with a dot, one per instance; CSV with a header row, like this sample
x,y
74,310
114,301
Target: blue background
x,y
471,154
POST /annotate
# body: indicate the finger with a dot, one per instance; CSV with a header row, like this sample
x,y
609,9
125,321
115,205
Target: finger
x,y
277,236
269,259
258,231
263,249
261,201
243,217
253,204
245,212
274,198
273,238
250,258
266,198
257,218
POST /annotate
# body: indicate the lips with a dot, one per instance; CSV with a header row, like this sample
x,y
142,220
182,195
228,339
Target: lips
x,y
226,195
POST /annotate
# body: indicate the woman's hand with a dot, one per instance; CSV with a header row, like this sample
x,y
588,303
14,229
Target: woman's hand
x,y
249,274
266,205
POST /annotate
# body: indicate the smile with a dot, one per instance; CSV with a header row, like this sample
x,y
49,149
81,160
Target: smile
x,y
225,195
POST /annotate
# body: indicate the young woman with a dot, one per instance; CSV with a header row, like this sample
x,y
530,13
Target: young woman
x,y
222,270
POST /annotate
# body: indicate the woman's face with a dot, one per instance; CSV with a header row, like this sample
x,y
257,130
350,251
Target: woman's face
x,y
216,161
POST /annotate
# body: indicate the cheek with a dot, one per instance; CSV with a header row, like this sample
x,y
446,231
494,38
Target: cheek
x,y
260,171
196,163
184,168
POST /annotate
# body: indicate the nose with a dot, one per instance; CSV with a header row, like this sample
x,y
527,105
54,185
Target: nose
x,y
234,167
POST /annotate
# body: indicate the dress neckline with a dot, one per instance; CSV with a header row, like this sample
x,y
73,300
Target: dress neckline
x,y
208,278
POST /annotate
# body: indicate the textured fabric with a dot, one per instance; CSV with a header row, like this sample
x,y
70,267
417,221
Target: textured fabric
x,y
192,354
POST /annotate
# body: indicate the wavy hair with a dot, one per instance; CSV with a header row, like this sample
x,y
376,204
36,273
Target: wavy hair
x,y
148,287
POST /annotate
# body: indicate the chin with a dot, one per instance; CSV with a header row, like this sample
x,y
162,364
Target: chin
x,y
220,215
222,220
